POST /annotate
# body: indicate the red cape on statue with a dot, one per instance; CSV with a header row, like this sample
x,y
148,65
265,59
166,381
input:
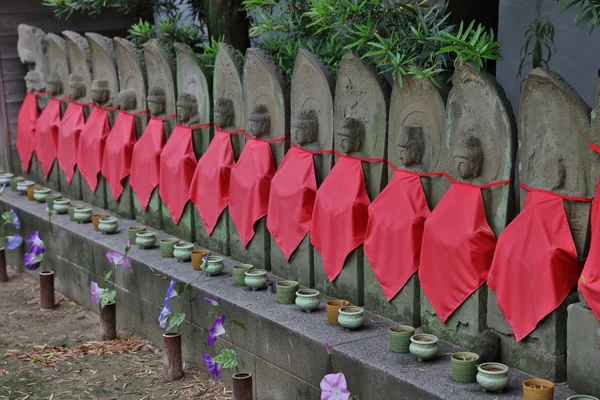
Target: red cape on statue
x,y
177,166
249,186
395,231
535,265
457,249
91,146
210,186
69,131
340,215
589,283
46,146
145,161
116,163
27,121
292,199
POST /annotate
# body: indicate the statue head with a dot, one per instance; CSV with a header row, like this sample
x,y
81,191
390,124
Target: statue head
x,y
223,112
157,101
34,83
76,86
100,91
305,127
127,99
411,145
352,135
469,157
187,108
54,84
259,121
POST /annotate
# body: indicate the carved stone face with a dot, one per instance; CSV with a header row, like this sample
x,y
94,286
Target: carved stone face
x,y
53,84
464,168
305,128
407,156
155,107
223,113
100,91
157,101
187,108
127,99
183,114
351,135
468,157
33,82
259,121
76,87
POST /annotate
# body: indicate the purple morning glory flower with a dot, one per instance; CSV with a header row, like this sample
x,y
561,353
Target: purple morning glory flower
x,y
128,245
171,291
164,315
211,301
328,347
213,367
47,207
95,291
29,261
333,387
36,244
2,188
205,260
118,259
16,220
14,241
216,330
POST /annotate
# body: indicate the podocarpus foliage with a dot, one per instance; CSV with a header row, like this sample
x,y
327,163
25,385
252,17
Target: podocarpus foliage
x,y
404,38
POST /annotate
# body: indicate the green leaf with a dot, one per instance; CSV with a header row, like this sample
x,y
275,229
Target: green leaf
x,y
182,287
228,358
108,276
174,320
240,324
107,296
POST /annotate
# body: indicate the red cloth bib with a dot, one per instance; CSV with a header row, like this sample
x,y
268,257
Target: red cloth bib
x,y
395,231
457,249
249,186
116,163
589,283
26,124
145,161
292,199
535,265
91,146
340,215
69,130
210,185
46,146
177,166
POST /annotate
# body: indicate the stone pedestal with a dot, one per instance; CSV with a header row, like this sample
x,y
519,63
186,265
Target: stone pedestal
x,y
299,268
350,282
70,190
124,205
258,251
583,357
97,198
184,230
219,240
152,217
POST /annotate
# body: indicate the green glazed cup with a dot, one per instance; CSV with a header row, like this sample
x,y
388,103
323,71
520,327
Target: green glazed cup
x,y
50,200
464,367
71,211
133,230
239,274
399,336
286,292
167,246
14,181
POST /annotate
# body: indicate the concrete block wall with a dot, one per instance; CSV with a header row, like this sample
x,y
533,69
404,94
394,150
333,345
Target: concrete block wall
x,y
283,348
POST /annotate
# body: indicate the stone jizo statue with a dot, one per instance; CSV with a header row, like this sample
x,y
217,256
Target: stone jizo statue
x,y
352,137
187,109
127,99
469,160
101,93
305,130
157,101
34,83
54,84
259,121
411,147
555,173
224,113
76,87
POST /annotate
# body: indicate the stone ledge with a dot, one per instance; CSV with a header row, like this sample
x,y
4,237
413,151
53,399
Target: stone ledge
x,y
282,342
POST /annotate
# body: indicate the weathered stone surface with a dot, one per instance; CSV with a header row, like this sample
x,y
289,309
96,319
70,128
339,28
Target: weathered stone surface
x,y
478,113
360,94
595,138
311,102
103,68
554,126
132,75
266,93
583,358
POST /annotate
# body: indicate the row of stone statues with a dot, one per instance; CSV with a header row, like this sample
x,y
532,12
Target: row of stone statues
x,y
468,132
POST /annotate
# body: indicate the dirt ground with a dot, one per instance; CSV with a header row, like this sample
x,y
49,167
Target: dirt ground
x,y
55,355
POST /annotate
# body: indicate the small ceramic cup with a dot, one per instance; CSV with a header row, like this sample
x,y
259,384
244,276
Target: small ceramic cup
x,y
492,377
40,194
183,251
239,273
61,206
308,299
82,214
214,266
256,279
351,317
145,239
108,225
424,347
166,247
